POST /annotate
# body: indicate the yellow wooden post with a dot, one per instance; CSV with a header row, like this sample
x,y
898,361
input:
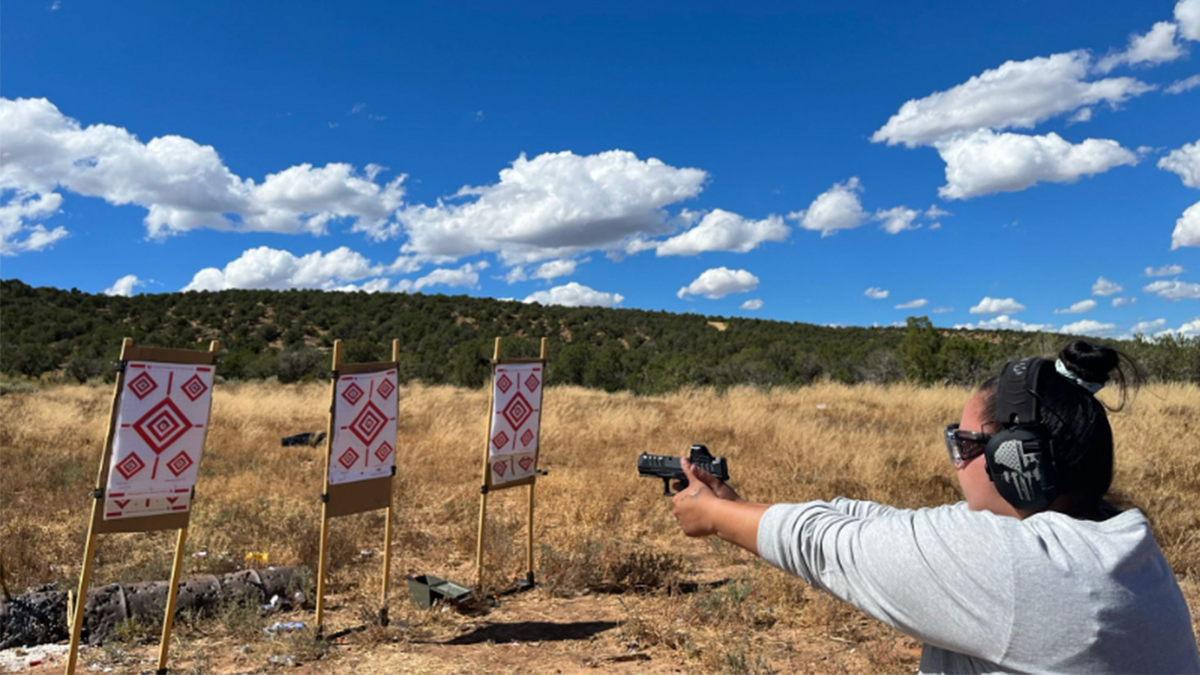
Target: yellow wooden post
x,y
322,553
387,518
89,549
483,490
541,417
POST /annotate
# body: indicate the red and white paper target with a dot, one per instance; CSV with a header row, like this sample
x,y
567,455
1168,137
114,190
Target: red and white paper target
x,y
516,418
364,433
162,420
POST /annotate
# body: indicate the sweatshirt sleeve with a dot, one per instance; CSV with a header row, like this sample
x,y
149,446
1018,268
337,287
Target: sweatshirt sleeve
x,y
942,575
862,508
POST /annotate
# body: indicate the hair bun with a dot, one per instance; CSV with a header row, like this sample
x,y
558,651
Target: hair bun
x,y
1092,363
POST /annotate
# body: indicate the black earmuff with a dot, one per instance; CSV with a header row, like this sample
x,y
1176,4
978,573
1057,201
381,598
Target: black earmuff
x,y
1020,457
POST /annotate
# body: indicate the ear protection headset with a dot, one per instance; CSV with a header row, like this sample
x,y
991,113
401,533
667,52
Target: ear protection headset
x,y
1020,457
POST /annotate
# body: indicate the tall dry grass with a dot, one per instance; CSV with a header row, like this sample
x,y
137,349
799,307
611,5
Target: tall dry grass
x,y
599,527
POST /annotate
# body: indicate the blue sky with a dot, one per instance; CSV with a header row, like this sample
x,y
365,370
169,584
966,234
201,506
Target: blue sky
x,y
1011,165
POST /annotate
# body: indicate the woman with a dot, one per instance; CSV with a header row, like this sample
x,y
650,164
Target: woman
x,y
1034,572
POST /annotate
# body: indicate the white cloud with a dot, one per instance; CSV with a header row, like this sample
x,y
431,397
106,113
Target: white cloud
x,y
934,212
1187,228
752,304
719,282
913,304
1181,86
898,219
1165,271
720,230
1174,290
1148,327
268,268
466,276
990,305
16,234
1018,94
555,268
942,310
1156,46
1189,329
124,286
552,206
576,295
985,162
875,293
1123,302
1104,287
838,208
1081,307
1185,162
183,185
1089,327
1005,322
1187,15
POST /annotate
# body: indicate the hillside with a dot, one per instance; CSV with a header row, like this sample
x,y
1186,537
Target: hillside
x,y
60,334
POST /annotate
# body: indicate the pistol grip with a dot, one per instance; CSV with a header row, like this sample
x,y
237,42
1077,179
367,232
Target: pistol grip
x,y
667,488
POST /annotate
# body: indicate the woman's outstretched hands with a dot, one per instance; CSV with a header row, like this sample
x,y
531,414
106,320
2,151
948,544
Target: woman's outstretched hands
x,y
691,505
719,487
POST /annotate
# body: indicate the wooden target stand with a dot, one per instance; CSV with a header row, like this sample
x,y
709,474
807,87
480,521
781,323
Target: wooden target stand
x,y
531,480
346,499
98,525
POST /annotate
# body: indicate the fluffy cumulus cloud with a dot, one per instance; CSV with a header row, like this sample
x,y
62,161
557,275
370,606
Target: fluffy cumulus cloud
x,y
1185,162
1174,290
1005,322
720,230
466,276
898,219
576,295
1089,327
1104,287
553,206
752,305
985,162
182,184
1187,228
1148,327
1081,307
1123,302
1165,271
838,208
18,233
1016,95
720,282
1189,329
913,304
990,305
875,293
124,286
269,268
1158,45
1187,15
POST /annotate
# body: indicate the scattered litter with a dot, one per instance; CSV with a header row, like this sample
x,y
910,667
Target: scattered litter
x,y
367,553
274,605
257,558
284,627
820,406
287,660
20,659
200,554
243,649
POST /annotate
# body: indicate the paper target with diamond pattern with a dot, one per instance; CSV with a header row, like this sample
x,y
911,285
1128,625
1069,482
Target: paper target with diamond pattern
x,y
516,416
162,420
364,433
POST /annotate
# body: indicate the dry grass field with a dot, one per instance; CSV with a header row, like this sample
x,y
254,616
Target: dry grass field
x,y
621,589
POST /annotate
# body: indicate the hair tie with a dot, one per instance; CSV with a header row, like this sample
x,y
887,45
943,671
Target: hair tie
x,y
1062,369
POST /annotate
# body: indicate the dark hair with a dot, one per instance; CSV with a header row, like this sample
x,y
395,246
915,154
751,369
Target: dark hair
x,y
1077,420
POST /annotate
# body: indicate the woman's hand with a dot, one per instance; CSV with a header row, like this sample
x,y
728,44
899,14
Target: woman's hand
x,y
691,506
719,487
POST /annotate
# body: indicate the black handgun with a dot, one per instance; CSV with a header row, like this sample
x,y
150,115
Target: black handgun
x,y
667,467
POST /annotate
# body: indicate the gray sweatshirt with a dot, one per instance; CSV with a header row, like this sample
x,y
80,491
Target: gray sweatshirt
x,y
989,593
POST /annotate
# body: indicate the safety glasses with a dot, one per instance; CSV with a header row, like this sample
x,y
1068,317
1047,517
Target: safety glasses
x,y
964,445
